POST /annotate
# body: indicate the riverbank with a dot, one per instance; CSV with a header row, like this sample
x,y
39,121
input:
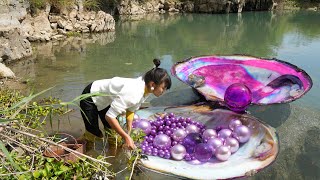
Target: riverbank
x,y
19,25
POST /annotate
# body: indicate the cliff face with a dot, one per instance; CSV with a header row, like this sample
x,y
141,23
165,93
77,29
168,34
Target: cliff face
x,y
134,7
13,45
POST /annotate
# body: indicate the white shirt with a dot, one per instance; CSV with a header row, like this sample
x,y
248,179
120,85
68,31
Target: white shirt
x,y
123,94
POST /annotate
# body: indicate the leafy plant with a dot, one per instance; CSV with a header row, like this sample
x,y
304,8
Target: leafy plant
x,y
22,153
91,5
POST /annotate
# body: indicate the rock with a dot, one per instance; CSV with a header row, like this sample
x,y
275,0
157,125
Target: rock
x,y
6,72
54,26
13,45
62,23
69,27
53,19
58,37
61,31
73,14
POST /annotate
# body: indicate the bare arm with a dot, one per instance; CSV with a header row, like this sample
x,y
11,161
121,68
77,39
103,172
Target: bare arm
x,y
116,126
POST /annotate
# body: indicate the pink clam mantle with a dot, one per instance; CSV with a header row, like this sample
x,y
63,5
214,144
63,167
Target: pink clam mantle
x,y
270,80
256,154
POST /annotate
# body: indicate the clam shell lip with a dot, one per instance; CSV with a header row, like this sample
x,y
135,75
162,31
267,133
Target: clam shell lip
x,y
259,152
270,80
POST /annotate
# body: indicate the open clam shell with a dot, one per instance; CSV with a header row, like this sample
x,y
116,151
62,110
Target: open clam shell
x,y
270,80
259,152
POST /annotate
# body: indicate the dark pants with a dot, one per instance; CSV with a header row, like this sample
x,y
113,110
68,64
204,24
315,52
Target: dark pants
x,y
90,114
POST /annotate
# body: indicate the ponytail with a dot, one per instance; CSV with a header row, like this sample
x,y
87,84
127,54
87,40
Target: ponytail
x,y
157,75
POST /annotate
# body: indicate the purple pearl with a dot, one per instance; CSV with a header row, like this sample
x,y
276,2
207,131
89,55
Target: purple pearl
x,y
232,143
161,153
222,153
190,141
148,151
188,120
234,123
242,133
168,123
150,139
173,125
160,128
174,143
160,132
203,152
153,132
171,114
182,119
166,128
224,133
209,133
167,155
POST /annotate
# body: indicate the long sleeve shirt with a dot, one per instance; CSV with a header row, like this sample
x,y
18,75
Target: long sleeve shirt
x,y
123,94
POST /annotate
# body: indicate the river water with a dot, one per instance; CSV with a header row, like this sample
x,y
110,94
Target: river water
x,y
128,52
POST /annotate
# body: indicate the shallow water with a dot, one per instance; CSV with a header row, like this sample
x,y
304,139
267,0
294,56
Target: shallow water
x,y
128,52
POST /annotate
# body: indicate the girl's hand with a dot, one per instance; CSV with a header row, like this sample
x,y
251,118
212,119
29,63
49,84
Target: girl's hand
x,y
129,143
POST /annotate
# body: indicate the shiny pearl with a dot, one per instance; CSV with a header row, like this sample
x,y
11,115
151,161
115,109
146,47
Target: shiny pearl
x,y
192,129
223,153
162,140
232,143
242,133
224,133
178,152
234,123
215,143
209,133
144,125
179,134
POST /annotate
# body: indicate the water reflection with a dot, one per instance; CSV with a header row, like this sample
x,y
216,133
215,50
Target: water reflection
x,y
294,37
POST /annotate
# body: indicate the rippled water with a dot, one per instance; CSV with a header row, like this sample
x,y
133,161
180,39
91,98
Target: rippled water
x,y
128,52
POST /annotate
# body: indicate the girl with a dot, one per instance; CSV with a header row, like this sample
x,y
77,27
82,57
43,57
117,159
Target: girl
x,y
124,95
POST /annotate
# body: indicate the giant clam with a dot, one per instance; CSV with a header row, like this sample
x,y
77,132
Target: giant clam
x,y
259,152
270,80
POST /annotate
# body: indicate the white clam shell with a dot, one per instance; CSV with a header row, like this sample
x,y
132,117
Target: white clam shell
x,y
259,152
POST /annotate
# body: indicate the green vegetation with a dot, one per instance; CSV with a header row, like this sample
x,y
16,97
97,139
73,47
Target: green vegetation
x,y
22,143
60,4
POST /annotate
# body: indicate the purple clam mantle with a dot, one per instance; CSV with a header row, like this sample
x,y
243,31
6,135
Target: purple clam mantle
x,y
270,80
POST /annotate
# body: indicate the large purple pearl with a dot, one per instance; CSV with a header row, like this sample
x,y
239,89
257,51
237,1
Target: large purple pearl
x,y
179,134
178,152
192,129
242,133
224,133
237,97
162,141
209,133
203,152
232,143
223,153
234,123
215,143
144,125
190,141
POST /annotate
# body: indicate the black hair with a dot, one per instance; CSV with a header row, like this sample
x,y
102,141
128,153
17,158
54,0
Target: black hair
x,y
157,75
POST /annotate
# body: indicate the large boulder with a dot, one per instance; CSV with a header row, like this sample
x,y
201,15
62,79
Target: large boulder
x,y
13,45
5,72
37,28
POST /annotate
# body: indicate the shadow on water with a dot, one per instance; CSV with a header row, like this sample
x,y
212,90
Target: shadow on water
x,y
274,115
